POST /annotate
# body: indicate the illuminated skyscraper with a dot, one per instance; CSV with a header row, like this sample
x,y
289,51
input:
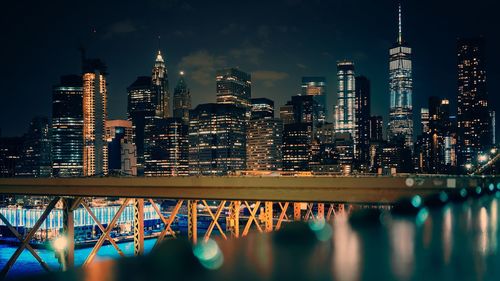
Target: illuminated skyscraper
x,y
217,139
316,87
122,153
142,104
167,148
67,127
160,87
182,99
234,87
264,137
95,149
345,110
401,88
297,146
474,121
363,113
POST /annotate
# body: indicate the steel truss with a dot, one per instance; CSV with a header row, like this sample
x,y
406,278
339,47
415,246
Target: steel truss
x,y
240,217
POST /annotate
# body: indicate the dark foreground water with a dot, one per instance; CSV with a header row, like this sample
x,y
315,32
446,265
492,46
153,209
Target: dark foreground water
x,y
26,264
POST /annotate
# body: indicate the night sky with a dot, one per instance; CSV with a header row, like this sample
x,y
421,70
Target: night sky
x,y
277,41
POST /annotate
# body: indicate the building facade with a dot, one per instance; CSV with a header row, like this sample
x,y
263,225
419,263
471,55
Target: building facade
x,y
217,139
95,95
234,86
316,87
474,122
297,146
167,148
35,160
264,137
67,127
142,105
363,114
122,158
345,109
182,99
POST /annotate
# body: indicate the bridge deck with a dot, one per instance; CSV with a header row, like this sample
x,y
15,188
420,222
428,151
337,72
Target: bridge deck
x,y
305,189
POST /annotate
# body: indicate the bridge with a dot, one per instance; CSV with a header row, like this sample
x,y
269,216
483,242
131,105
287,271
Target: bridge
x,y
241,204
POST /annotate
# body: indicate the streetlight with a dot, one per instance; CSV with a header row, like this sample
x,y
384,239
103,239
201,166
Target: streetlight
x,y
60,244
468,166
493,151
482,158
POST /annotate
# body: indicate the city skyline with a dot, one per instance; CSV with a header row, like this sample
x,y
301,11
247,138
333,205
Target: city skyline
x,y
268,76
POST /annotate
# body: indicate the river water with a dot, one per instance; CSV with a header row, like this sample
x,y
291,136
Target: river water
x,y
26,264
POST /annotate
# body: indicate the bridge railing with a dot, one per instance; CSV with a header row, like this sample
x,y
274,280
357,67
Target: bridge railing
x,y
241,203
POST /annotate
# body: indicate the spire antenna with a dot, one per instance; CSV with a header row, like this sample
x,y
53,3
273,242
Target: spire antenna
x,y
159,43
400,32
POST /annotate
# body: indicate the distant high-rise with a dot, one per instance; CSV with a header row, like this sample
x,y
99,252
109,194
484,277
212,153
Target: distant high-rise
x,y
363,114
401,89
121,149
67,127
262,108
376,128
182,99
10,153
95,149
264,140
297,146
316,87
234,87
345,109
474,128
424,119
35,157
264,137
142,105
167,148
217,139
286,113
160,87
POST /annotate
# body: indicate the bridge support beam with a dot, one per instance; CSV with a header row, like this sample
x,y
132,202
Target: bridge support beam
x,y
297,216
69,231
233,222
138,226
321,211
193,221
268,216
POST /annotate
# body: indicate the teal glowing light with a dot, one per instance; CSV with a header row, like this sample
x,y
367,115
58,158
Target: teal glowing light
x,y
443,196
422,216
209,254
491,187
463,192
478,190
416,201
321,229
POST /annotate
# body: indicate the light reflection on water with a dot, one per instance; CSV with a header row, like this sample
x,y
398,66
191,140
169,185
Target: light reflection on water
x,y
26,263
346,252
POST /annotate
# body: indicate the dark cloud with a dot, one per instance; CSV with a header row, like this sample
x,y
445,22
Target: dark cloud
x,y
121,27
269,77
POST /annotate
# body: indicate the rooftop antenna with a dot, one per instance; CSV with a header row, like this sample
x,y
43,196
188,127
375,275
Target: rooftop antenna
x,y
400,32
159,43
